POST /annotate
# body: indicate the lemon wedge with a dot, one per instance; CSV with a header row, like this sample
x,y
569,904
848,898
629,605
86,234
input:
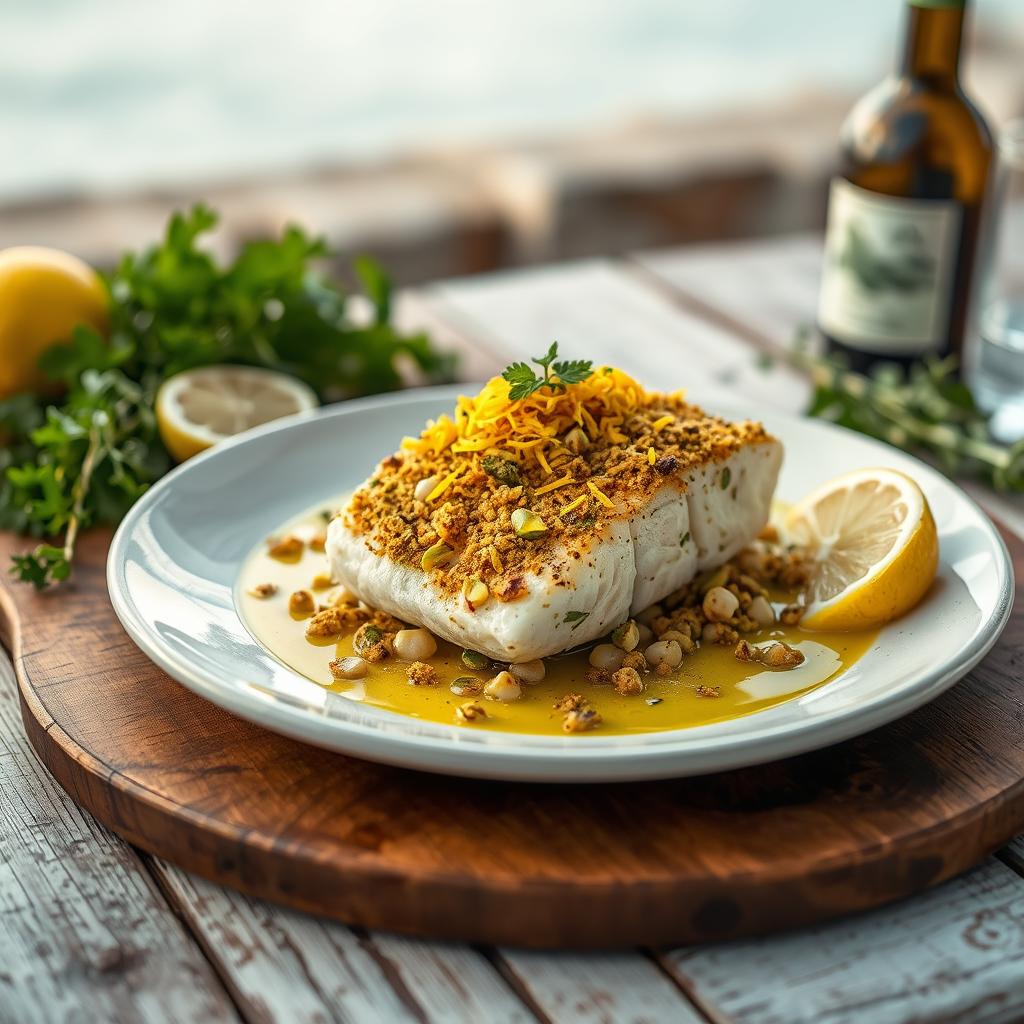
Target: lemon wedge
x,y
197,408
874,540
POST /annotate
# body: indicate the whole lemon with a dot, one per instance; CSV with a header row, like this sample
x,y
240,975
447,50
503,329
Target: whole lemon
x,y
44,295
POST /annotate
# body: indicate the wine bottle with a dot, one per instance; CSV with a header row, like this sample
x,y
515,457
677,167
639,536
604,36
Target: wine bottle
x,y
906,205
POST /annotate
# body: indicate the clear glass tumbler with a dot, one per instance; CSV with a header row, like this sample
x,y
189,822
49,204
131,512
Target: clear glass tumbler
x,y
996,369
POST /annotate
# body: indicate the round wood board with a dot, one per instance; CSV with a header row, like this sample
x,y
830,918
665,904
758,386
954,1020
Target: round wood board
x,y
799,841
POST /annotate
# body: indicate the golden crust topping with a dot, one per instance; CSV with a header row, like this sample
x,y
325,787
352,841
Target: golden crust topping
x,y
515,479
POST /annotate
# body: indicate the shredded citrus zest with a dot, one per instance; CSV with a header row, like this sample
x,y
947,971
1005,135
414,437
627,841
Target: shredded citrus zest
x,y
600,495
445,484
600,405
661,424
555,484
572,504
651,456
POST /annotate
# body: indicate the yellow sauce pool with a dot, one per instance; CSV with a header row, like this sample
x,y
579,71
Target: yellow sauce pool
x,y
667,702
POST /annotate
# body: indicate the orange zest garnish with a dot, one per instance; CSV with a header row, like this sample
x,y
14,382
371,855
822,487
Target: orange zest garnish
x,y
572,505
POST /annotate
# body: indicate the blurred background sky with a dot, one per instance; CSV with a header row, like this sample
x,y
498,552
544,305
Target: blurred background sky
x,y
112,98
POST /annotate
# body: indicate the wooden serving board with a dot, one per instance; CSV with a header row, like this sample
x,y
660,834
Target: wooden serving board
x,y
692,860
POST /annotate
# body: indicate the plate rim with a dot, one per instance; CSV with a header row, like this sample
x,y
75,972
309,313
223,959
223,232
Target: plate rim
x,y
513,756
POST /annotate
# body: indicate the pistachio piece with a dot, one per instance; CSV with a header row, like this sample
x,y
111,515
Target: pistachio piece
x,y
436,556
465,686
367,636
475,661
503,470
627,636
528,525
475,592
576,440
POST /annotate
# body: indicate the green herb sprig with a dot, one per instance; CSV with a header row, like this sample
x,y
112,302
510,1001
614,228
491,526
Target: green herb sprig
x,y
928,410
86,458
524,380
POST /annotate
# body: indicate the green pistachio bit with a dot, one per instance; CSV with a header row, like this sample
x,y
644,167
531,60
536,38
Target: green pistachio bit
x,y
367,637
627,636
466,686
475,661
726,477
528,525
503,470
436,556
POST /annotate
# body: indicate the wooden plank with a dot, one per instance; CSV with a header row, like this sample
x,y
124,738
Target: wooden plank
x,y
768,287
604,311
955,953
599,989
288,967
84,933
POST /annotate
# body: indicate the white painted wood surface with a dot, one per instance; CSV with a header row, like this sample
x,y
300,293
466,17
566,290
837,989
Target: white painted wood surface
x,y
611,988
602,310
85,934
282,965
955,953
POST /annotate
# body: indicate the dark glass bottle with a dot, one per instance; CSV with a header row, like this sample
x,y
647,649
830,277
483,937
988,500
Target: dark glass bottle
x,y
906,205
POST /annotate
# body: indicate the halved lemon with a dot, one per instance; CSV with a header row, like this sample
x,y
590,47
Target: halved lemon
x,y
876,548
197,408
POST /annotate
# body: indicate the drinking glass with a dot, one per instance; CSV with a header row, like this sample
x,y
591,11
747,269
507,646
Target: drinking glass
x,y
996,371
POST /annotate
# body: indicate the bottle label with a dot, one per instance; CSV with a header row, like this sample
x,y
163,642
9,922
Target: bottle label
x,y
889,265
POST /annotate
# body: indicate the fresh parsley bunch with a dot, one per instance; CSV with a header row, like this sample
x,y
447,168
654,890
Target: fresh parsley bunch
x,y
87,457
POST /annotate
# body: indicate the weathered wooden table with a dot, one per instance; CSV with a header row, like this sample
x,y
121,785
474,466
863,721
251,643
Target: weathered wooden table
x,y
93,930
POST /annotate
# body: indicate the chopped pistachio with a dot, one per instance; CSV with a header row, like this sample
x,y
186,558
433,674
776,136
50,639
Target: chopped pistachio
x,y
436,556
473,660
503,470
627,636
367,636
466,686
576,440
476,593
528,525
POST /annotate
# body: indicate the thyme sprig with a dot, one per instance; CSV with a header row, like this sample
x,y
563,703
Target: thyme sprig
x,y
927,410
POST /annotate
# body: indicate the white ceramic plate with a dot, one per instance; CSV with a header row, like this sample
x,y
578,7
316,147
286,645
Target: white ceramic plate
x,y
174,562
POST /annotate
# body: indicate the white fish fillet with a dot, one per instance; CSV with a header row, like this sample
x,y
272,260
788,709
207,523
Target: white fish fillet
x,y
696,521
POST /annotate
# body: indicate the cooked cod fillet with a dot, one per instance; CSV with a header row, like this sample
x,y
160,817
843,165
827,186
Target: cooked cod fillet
x,y
688,525
687,511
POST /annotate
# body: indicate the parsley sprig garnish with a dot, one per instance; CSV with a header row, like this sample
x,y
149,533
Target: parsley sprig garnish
x,y
86,457
524,380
